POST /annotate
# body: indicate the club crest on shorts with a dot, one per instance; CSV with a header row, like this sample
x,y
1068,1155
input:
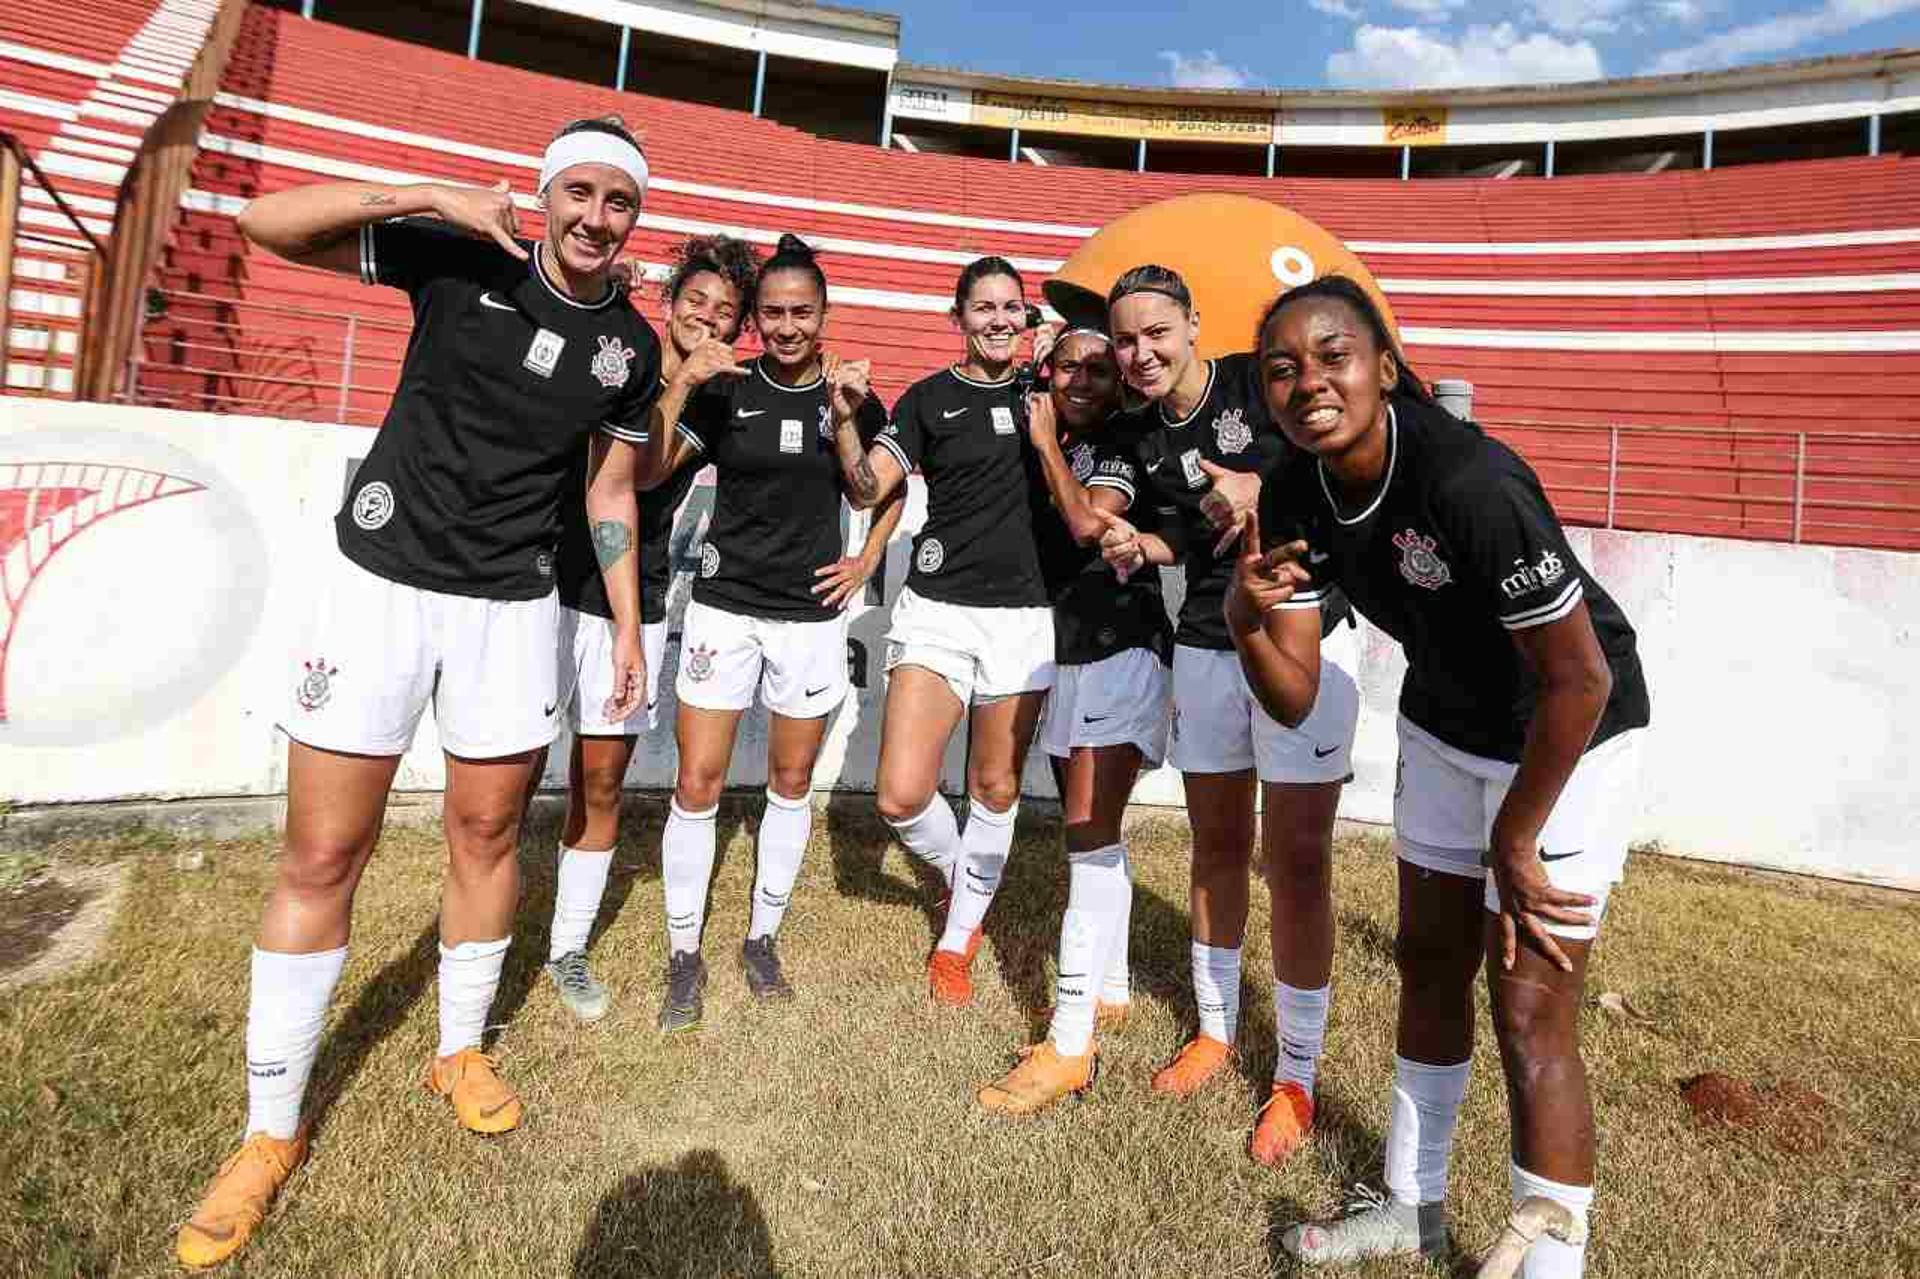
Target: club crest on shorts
x,y
610,363
699,663
1081,459
1231,432
826,423
316,686
1420,563
709,559
373,505
930,556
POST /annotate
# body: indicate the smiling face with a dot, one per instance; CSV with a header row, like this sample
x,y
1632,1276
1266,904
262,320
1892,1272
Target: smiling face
x,y
1153,338
992,318
1324,375
591,210
1085,381
707,305
789,312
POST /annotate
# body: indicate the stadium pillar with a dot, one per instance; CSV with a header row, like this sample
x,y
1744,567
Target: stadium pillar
x,y
1013,146
1140,158
1706,149
759,81
1549,169
1406,163
1273,155
473,29
886,114
620,76
306,8
1873,134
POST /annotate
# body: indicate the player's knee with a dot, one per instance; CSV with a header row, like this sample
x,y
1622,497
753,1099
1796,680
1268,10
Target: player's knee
x,y
1300,860
1536,1032
899,802
486,832
1434,970
997,790
316,866
790,782
601,789
697,787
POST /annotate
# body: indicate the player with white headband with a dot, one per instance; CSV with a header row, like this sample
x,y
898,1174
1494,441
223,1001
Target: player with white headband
x,y
1107,713
440,588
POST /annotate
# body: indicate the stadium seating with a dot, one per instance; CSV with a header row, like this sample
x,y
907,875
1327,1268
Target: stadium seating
x,y
84,82
1700,322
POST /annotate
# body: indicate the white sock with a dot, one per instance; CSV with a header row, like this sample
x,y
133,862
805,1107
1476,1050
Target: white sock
x,y
287,1003
686,866
1216,990
1549,1258
576,898
1300,1026
1118,986
1426,1102
784,830
469,976
983,856
933,836
1097,891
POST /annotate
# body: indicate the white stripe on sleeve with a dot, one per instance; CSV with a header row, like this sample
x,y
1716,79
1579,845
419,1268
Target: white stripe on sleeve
x,y
366,255
690,438
1561,605
899,454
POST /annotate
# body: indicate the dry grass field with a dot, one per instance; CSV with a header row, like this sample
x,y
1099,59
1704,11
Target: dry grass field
x,y
837,1135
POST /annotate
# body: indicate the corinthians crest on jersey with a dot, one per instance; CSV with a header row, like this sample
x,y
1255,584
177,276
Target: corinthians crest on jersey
x,y
1231,432
1420,563
610,363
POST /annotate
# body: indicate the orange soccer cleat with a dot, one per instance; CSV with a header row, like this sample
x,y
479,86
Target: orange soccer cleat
x,y
1283,1125
1043,1077
482,1101
950,974
237,1200
1197,1062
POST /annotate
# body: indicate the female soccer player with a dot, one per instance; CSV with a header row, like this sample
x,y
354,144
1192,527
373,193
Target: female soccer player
x,y
972,634
442,591
766,609
1522,692
1107,714
1207,421
706,297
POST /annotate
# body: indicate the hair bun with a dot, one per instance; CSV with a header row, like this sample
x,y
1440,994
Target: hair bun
x,y
792,245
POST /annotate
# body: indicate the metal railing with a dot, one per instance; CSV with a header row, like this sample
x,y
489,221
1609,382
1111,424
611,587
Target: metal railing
x,y
73,246
221,354
1848,488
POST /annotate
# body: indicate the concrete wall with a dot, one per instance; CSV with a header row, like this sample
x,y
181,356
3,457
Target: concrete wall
x,y
154,565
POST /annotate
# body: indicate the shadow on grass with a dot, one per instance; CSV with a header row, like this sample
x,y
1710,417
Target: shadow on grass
x,y
685,1218
377,1012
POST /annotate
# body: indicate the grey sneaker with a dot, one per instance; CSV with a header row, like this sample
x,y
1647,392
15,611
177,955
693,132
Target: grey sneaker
x,y
1375,1226
584,997
686,978
762,964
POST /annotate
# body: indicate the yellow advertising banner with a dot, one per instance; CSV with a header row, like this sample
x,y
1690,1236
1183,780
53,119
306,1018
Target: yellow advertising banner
x,y
1121,119
1414,126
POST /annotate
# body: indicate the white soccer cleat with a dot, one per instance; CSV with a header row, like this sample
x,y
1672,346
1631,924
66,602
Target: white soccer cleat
x,y
1537,1215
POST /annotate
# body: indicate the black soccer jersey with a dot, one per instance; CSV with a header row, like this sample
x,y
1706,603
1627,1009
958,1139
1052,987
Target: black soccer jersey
x,y
1459,549
1229,428
977,546
504,379
776,501
580,584
1095,614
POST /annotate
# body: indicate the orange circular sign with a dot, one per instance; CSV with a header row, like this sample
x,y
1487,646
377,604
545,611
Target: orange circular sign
x,y
1236,254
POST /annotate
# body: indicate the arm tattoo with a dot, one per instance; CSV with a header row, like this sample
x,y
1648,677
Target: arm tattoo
x,y
372,198
611,540
866,485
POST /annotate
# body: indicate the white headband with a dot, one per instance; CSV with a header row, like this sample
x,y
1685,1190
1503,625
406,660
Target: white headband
x,y
1083,333
592,146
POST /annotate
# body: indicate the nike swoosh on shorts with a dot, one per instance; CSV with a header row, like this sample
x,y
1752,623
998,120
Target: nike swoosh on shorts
x,y
487,299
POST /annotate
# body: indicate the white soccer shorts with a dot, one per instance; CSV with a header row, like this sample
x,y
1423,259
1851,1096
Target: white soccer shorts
x,y
586,674
1445,801
375,652
799,668
1122,700
1219,726
983,653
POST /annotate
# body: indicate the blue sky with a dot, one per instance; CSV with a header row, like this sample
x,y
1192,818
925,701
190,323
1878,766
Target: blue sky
x,y
1386,43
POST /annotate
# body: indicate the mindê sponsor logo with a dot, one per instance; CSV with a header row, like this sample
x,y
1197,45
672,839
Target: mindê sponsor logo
x,y
1527,578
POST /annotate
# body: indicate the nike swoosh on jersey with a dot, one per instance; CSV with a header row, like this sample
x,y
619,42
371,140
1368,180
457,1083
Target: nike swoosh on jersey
x,y
1546,856
748,412
950,416
487,299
